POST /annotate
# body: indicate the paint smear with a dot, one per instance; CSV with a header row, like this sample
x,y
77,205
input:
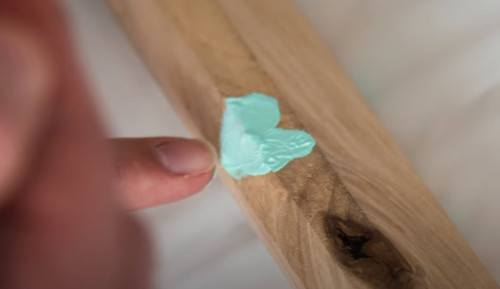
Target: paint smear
x,y
251,144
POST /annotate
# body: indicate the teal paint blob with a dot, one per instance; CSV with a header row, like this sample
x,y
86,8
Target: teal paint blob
x,y
251,144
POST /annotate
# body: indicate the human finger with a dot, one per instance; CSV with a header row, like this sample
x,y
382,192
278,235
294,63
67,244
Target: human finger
x,y
155,171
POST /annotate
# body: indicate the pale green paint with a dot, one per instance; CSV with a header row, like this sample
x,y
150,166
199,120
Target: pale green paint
x,y
251,144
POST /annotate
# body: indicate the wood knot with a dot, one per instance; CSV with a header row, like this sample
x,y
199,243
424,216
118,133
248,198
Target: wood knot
x,y
369,255
353,244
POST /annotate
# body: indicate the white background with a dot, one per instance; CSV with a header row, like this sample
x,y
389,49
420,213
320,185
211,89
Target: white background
x,y
431,71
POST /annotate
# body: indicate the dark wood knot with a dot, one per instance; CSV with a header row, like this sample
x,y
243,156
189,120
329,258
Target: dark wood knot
x,y
369,255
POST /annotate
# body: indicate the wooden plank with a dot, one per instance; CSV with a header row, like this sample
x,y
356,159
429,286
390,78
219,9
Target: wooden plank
x,y
352,214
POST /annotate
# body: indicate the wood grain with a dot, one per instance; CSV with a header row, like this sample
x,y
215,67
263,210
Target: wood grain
x,y
352,214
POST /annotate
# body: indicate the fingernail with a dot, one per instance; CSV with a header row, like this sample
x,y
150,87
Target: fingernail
x,y
187,157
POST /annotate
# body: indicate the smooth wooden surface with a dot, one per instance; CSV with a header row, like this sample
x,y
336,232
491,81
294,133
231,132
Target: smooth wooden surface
x,y
353,214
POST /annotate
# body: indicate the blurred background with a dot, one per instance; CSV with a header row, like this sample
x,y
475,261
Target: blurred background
x,y
429,69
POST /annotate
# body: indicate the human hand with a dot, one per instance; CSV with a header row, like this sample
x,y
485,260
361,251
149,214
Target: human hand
x,y
65,192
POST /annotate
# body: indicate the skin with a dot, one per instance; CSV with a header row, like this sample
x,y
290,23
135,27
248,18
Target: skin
x,y
66,192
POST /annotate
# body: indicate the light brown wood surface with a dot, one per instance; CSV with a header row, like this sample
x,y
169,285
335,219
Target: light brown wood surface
x,y
352,214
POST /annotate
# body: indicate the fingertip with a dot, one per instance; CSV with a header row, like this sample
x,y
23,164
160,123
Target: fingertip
x,y
156,171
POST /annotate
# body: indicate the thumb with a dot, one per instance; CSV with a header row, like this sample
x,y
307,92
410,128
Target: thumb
x,y
25,78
